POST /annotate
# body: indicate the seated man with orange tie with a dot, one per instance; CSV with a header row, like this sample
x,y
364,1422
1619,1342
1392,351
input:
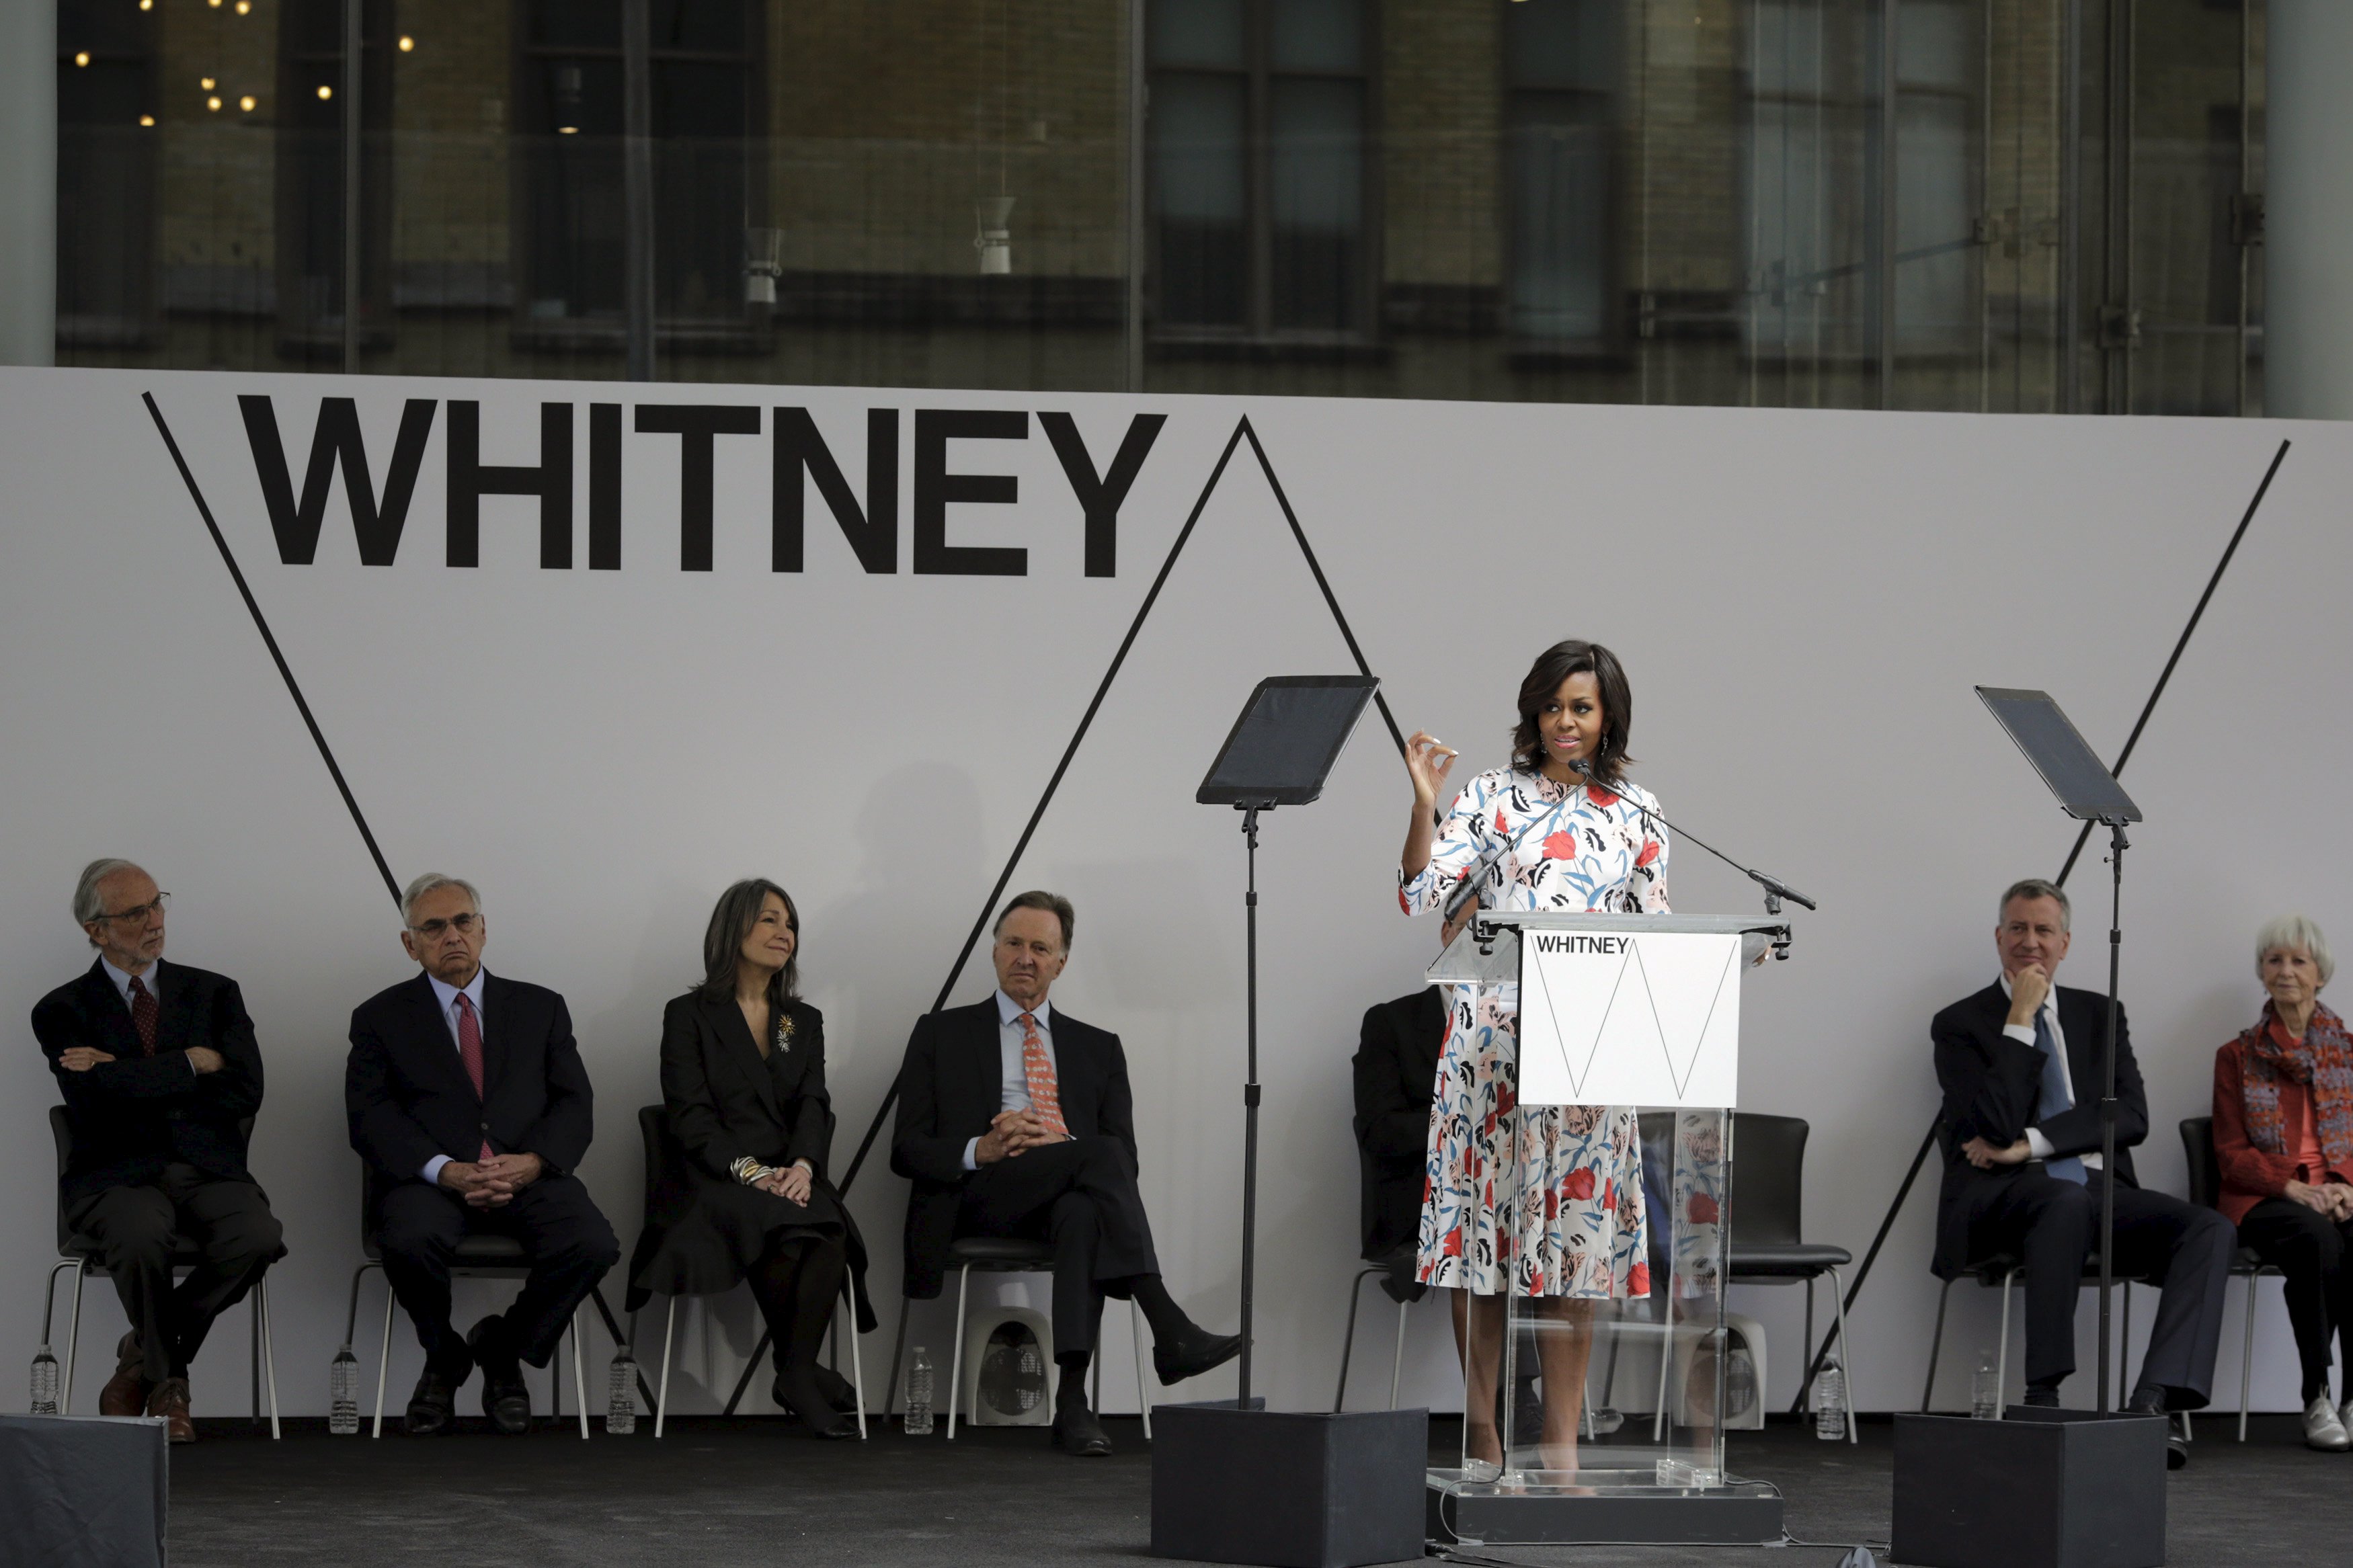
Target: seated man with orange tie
x,y
1015,1120
466,1093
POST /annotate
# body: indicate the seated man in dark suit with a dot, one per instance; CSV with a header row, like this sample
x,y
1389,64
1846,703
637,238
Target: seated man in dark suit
x,y
2021,1066
161,1075
466,1093
1015,1120
1396,1077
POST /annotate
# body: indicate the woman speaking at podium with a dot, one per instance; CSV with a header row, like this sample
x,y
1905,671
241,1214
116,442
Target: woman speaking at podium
x,y
1545,1205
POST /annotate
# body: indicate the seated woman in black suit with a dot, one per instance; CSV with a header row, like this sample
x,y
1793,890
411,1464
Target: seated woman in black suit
x,y
742,1075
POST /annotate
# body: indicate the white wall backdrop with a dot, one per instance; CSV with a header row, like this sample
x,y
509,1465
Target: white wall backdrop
x,y
1803,602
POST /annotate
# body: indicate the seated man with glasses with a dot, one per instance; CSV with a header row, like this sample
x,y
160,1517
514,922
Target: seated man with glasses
x,y
466,1094
161,1078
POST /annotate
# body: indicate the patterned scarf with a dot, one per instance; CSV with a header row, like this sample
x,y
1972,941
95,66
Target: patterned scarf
x,y
2322,1061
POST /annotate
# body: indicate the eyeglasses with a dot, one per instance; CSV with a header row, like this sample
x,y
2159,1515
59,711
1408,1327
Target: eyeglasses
x,y
138,912
434,930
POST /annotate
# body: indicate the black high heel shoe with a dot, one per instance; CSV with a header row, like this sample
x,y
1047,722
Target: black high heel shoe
x,y
796,1390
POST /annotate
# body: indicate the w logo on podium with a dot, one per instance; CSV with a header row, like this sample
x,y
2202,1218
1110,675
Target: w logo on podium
x,y
1629,1019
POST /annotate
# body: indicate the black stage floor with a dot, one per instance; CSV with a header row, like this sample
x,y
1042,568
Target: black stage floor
x,y
716,1494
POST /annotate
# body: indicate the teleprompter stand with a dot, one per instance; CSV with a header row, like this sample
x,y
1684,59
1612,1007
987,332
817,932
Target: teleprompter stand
x,y
1231,1480
2046,1488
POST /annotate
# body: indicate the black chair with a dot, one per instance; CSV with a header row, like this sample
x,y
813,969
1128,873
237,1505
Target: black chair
x,y
81,1254
1767,1245
477,1258
664,1162
992,1255
2205,1187
1398,1264
2005,1270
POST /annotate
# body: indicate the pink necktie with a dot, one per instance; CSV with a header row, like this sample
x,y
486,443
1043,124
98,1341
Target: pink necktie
x,y
469,1050
1045,1098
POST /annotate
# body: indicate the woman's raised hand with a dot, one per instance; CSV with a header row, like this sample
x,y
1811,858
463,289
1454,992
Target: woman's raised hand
x,y
1429,760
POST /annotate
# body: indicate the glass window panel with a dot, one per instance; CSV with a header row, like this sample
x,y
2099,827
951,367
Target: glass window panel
x,y
1561,43
1200,33
1318,36
702,25
577,24
1560,216
1200,194
1316,191
1786,47
1933,215
103,26
1938,43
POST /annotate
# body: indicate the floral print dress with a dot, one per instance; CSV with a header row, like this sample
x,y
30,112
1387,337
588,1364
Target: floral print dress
x,y
1548,1202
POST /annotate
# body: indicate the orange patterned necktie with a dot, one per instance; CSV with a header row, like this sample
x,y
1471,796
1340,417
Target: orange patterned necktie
x,y
1039,1069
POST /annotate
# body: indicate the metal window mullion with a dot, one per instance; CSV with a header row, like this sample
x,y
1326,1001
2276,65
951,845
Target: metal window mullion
x,y
1258,173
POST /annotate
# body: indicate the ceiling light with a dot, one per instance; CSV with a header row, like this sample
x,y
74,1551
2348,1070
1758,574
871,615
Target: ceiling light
x,y
325,91
212,103
247,102
244,7
82,58
567,131
206,82
406,43
146,120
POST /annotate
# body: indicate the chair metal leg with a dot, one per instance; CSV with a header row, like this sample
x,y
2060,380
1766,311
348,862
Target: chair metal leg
x,y
661,1400
1666,1359
1846,1356
898,1350
253,1353
2001,1364
1397,1364
1096,1395
1348,1340
2247,1362
2123,1346
857,1364
383,1355
1936,1346
73,1339
1135,1347
956,1371
268,1349
579,1375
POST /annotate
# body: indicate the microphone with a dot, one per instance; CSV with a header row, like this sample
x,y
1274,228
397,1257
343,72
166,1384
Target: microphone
x,y
1775,888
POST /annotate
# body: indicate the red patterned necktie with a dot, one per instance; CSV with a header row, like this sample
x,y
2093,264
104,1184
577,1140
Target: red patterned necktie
x,y
142,1015
469,1050
1037,1068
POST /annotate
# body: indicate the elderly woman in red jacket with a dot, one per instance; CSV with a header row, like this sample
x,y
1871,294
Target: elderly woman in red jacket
x,y
2283,1136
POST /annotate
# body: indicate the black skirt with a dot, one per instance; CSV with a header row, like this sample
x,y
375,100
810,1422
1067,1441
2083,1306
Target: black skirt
x,y
705,1245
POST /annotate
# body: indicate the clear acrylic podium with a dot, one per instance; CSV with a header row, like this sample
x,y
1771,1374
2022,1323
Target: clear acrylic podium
x,y
1601,1420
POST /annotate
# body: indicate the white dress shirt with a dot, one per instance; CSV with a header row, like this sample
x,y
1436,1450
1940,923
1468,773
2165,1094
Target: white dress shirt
x,y
446,996
121,978
1012,1076
2036,1143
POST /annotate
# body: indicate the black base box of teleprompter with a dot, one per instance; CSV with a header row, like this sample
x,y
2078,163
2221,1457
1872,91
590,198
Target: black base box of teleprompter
x,y
2038,1489
1287,1489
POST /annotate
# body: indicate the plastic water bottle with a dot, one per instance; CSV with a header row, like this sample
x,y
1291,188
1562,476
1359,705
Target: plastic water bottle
x,y
1829,1402
918,1394
1985,1390
343,1394
45,1382
621,1395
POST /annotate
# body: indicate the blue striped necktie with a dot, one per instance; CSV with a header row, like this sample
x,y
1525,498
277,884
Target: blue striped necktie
x,y
2056,1098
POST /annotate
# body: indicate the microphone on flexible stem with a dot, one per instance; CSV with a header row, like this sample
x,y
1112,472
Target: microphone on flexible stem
x,y
1775,888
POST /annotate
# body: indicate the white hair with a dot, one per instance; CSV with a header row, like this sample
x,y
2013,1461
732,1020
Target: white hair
x,y
87,905
2294,931
430,882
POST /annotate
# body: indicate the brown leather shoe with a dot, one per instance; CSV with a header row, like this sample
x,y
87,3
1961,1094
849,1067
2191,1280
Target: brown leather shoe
x,y
125,1393
170,1401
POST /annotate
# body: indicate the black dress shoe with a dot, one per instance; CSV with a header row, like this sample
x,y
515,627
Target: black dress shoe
x,y
430,1407
505,1400
2150,1401
1195,1352
804,1394
1078,1433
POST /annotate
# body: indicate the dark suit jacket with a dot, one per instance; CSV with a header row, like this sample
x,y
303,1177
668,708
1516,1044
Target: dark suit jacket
x,y
949,1090
1397,1076
137,1113
408,1099
1992,1083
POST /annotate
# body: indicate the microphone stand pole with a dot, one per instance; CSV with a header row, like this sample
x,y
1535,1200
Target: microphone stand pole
x,y
1250,1104
2117,845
